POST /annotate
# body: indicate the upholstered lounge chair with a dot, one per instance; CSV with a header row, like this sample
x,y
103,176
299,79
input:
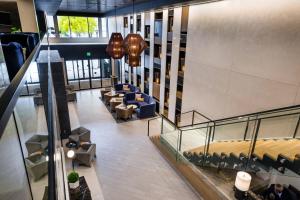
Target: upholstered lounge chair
x,y
37,166
79,135
85,154
37,143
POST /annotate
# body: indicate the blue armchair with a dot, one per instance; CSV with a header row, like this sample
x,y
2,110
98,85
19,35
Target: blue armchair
x,y
119,88
145,108
14,59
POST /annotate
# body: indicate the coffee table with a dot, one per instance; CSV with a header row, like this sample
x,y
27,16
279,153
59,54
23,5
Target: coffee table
x,y
109,95
115,102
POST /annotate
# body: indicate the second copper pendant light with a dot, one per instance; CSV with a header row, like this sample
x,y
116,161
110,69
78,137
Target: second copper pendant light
x,y
134,45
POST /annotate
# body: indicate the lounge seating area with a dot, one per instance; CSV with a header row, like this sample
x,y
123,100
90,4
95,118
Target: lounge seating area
x,y
70,92
80,142
36,162
125,88
126,102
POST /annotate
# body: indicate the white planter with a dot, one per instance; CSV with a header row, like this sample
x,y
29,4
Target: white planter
x,y
74,185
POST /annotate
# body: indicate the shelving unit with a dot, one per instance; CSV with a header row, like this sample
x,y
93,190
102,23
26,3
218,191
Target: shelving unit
x,y
181,61
158,19
147,53
168,62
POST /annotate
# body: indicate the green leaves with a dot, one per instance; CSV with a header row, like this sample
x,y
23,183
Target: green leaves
x,y
73,177
78,25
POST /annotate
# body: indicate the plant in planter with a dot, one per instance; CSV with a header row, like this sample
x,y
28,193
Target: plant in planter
x,y
73,179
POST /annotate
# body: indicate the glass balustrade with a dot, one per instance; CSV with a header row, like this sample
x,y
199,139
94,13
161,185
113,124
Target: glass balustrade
x,y
264,144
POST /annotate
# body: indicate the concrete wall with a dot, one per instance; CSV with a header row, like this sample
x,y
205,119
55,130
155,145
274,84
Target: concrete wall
x,y
242,56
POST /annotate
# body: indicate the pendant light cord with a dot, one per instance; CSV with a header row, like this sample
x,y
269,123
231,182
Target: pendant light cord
x,y
116,18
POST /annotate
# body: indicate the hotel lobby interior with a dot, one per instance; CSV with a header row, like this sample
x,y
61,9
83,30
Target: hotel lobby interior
x,y
148,99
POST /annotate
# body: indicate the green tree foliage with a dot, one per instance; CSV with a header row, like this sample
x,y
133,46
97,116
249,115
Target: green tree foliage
x,y
78,25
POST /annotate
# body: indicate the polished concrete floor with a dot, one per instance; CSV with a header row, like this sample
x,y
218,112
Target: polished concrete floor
x,y
128,165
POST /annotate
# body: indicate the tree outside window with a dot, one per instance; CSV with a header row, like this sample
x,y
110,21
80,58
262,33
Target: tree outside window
x,y
77,26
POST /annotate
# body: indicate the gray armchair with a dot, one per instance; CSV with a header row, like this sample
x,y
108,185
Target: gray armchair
x,y
85,154
79,135
37,166
37,143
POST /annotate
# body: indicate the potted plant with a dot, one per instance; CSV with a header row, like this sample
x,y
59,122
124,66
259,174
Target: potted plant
x,y
73,179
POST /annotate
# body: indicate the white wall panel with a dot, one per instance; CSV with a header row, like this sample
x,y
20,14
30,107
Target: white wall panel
x,y
143,54
174,62
163,60
242,56
152,16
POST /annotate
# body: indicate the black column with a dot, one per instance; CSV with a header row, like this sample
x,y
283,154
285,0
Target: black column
x,y
58,77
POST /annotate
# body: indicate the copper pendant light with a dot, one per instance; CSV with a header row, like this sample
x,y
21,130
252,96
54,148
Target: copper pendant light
x,y
134,45
134,61
115,47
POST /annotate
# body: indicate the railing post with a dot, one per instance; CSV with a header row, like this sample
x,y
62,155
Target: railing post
x,y
213,133
148,128
297,127
162,125
193,118
246,130
255,137
208,140
180,139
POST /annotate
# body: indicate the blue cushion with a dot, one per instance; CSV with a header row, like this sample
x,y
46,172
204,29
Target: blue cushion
x,y
14,59
26,41
146,97
142,103
132,102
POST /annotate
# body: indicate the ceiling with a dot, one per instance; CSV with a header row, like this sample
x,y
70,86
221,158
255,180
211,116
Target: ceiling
x,y
103,7
83,6
95,6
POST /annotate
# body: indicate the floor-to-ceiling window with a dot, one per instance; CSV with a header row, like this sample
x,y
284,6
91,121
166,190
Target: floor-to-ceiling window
x,y
81,27
88,74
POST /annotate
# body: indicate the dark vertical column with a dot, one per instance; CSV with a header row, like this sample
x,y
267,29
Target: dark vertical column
x,y
57,69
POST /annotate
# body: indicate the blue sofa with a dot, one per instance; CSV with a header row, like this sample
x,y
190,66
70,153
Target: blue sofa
x,y
119,88
14,58
145,109
26,40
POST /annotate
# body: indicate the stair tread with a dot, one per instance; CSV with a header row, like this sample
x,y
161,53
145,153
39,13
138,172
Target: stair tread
x,y
286,147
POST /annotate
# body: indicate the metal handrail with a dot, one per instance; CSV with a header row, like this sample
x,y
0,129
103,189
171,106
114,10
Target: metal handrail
x,y
10,96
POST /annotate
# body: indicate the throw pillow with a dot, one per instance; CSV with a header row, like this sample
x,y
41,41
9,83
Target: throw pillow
x,y
137,96
125,87
140,99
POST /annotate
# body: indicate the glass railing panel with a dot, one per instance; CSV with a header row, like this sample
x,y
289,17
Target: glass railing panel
x,y
154,126
170,134
194,140
13,177
199,118
278,127
185,119
230,145
32,126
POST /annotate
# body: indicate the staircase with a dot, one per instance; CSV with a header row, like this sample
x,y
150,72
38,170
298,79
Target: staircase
x,y
279,154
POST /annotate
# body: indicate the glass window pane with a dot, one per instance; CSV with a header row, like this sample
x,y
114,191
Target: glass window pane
x,y
63,26
79,27
93,27
104,27
50,24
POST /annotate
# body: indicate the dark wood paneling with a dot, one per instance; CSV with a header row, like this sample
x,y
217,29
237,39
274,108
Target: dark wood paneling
x,y
78,51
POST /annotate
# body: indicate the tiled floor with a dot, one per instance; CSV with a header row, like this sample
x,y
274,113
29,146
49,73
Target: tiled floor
x,y
128,165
